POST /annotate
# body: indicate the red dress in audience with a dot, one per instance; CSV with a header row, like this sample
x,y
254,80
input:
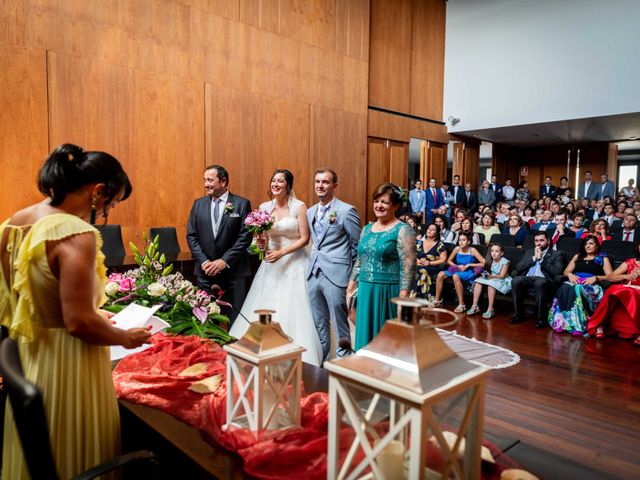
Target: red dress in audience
x,y
619,311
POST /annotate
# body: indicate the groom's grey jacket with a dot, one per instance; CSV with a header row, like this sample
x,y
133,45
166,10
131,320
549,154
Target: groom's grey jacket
x,y
335,251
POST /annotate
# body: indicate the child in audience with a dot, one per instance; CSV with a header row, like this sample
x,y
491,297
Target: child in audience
x,y
495,276
461,269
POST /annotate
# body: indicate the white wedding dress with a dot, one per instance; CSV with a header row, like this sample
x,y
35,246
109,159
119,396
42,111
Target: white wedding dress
x,y
281,286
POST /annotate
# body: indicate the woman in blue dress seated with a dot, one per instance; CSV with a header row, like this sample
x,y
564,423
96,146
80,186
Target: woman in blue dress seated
x,y
578,297
385,265
495,276
465,263
431,255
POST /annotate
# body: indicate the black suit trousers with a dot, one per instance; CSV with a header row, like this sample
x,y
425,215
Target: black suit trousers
x,y
541,287
234,288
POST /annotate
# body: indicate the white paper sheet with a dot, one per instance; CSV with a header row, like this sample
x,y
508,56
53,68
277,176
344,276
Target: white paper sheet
x,y
136,316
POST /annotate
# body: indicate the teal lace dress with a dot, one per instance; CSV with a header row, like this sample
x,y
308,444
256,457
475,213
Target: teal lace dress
x,y
385,265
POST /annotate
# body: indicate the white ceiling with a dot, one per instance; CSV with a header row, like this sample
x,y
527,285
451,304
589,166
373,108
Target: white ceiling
x,y
611,128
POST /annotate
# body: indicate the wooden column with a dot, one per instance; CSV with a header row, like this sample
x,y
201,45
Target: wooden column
x,y
387,161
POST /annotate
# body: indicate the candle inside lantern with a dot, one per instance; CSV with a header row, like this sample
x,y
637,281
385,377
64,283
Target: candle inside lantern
x,y
391,461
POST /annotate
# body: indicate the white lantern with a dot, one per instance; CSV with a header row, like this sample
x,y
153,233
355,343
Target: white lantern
x,y
409,377
264,374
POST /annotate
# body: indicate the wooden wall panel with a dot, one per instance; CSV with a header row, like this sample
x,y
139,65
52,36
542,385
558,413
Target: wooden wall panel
x,y
390,55
338,141
12,22
23,121
506,161
398,163
427,59
148,121
352,28
377,172
252,135
471,164
402,129
436,162
224,8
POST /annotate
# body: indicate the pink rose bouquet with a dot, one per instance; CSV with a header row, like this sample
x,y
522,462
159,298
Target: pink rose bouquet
x,y
258,222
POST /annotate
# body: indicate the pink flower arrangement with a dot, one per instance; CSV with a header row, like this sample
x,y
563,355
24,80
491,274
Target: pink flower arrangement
x,y
258,222
125,284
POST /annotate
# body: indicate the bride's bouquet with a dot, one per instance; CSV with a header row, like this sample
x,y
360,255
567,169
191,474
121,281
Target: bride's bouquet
x,y
258,222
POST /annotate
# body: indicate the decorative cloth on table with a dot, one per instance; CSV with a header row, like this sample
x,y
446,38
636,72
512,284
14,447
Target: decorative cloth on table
x,y
152,378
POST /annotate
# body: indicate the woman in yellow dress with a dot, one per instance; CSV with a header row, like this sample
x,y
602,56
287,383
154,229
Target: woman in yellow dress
x,y
52,279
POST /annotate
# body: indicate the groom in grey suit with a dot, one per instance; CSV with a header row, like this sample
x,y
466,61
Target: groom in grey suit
x,y
335,231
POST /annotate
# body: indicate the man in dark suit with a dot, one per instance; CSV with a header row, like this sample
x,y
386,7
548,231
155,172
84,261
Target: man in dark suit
x,y
470,201
457,191
547,190
538,269
630,231
588,189
497,188
435,199
218,239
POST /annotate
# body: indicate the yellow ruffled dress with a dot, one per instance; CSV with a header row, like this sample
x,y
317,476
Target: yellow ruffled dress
x,y
73,376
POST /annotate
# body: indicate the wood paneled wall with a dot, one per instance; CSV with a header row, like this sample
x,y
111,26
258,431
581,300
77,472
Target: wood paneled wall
x,y
407,56
170,86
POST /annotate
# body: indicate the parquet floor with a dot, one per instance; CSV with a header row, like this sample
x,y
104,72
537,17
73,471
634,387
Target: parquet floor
x,y
573,397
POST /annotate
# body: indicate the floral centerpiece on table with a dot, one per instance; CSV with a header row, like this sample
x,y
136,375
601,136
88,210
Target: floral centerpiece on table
x,y
189,310
258,222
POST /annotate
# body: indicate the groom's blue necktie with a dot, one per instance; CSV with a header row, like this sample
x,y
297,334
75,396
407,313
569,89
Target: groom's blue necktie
x,y
320,222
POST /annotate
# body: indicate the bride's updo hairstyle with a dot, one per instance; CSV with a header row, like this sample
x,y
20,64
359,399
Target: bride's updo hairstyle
x,y
69,168
288,176
396,194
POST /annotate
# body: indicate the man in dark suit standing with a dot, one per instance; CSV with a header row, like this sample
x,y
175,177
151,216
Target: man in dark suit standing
x,y
434,200
497,188
457,191
218,239
547,190
470,201
537,269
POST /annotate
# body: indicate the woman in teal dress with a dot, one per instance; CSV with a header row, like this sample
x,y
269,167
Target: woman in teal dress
x,y
385,266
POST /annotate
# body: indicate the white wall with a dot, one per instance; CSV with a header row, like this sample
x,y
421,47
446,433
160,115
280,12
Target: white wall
x,y
514,62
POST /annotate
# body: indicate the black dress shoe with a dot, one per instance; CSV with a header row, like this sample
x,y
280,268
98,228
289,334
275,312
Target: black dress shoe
x,y
516,319
541,324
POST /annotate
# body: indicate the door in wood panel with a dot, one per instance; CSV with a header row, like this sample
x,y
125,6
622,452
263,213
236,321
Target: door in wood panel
x,y
387,161
436,162
471,164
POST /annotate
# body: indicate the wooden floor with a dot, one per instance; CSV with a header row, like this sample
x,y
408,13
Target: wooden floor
x,y
569,396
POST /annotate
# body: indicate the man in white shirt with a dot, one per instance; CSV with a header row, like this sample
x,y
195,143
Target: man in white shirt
x,y
609,216
630,231
508,192
587,189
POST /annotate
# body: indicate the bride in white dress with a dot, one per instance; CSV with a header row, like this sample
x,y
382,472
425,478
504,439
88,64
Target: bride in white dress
x,y
280,283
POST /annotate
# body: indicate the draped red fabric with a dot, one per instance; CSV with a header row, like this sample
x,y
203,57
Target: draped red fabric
x,y
151,378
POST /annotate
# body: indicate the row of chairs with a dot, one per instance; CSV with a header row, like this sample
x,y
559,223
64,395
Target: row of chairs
x,y
113,246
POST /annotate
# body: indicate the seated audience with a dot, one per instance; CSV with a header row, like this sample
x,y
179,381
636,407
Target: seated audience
x,y
534,204
599,228
577,228
431,255
577,298
488,227
609,216
502,209
527,215
620,208
630,231
411,221
636,208
516,229
546,223
460,215
445,234
537,269
619,311
466,226
461,269
495,276
561,229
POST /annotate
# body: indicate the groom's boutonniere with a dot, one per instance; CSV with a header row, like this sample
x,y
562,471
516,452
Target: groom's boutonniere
x,y
228,207
332,217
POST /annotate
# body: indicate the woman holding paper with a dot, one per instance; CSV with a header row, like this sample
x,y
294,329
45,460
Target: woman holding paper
x,y
52,279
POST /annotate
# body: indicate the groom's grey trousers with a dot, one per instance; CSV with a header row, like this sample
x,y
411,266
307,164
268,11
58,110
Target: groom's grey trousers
x,y
328,301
